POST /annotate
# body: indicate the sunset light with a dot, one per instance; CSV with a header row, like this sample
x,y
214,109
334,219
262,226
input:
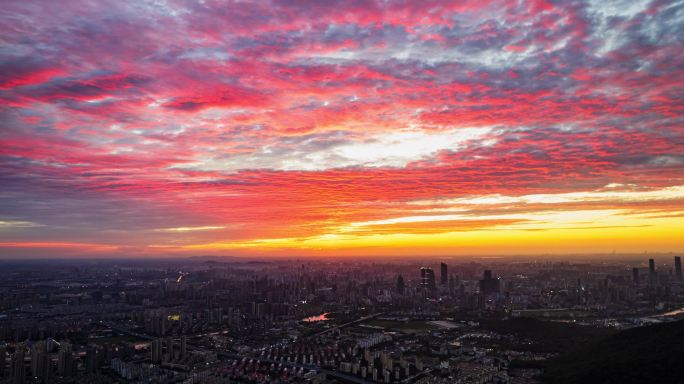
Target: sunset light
x,y
361,128
341,191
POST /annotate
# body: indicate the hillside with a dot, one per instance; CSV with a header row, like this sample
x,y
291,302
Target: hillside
x,y
651,354
547,336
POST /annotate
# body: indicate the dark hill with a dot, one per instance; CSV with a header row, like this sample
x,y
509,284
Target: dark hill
x,y
652,354
547,336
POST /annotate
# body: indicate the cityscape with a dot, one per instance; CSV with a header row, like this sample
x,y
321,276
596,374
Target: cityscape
x,y
341,191
211,320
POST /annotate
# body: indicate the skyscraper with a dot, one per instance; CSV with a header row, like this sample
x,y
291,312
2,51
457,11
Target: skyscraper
x,y
678,268
427,276
400,285
443,275
651,272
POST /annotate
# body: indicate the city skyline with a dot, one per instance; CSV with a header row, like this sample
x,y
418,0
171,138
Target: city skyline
x,y
344,129
327,321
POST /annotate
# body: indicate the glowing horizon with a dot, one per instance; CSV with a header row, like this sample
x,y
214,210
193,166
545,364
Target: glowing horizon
x,y
360,128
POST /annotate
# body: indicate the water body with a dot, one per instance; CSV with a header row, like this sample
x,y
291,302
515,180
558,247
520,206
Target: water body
x,y
315,319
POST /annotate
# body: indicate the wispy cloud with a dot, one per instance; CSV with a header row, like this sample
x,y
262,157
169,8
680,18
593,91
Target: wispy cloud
x,y
18,224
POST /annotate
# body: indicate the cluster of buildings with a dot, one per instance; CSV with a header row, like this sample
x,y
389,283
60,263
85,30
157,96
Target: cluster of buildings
x,y
313,321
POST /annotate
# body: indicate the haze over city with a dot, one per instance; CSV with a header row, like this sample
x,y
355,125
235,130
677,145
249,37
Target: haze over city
x,y
352,128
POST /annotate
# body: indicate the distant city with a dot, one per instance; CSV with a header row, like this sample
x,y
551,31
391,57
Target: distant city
x,y
214,320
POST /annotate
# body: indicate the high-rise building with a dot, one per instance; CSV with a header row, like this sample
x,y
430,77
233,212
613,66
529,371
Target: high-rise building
x,y
39,359
156,351
488,284
169,349
183,345
3,356
443,275
18,369
427,279
678,268
651,272
65,360
635,276
91,359
400,285
216,314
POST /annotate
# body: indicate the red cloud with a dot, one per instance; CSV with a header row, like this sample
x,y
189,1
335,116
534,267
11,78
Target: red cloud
x,y
143,109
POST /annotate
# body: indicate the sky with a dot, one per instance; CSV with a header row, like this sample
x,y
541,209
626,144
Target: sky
x,y
341,128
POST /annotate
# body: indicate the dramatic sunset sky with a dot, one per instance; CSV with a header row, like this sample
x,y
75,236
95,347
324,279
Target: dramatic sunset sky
x,y
295,128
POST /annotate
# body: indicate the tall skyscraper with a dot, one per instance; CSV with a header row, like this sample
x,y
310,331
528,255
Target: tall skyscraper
x,y
651,272
678,268
427,276
400,285
443,275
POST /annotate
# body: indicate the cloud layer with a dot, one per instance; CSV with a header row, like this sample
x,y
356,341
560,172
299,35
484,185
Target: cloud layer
x,y
305,127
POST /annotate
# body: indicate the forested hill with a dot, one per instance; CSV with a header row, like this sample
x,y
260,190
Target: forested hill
x,y
651,354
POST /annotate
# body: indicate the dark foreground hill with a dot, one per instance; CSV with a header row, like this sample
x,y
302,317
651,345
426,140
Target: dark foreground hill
x,y
652,354
547,336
